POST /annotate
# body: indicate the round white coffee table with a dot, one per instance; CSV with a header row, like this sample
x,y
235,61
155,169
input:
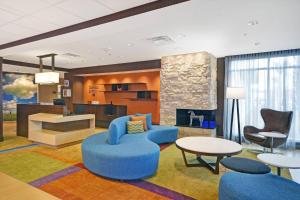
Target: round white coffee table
x,y
207,146
279,161
272,135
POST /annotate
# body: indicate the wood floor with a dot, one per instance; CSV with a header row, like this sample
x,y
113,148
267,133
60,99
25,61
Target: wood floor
x,y
13,189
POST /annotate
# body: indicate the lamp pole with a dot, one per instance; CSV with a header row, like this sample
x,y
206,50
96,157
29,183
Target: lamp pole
x,y
235,94
238,120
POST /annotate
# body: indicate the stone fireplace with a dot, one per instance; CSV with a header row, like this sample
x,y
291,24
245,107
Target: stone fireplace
x,y
188,81
183,118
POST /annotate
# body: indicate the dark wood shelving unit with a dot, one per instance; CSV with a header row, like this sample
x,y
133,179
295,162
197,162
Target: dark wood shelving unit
x,y
140,90
120,91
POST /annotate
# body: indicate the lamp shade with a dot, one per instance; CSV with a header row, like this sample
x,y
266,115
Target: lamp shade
x,y
47,78
235,93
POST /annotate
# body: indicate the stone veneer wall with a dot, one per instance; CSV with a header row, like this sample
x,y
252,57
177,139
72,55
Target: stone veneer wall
x,y
188,81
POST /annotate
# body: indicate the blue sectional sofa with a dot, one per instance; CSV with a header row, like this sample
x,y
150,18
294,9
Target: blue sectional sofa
x,y
118,155
240,186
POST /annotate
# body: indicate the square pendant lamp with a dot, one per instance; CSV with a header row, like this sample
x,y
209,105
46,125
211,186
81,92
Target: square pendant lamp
x,y
47,78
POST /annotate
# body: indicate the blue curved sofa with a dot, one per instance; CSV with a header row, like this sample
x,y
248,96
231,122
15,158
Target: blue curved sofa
x,y
241,186
118,155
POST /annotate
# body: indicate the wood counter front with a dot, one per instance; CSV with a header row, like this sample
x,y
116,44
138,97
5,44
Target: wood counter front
x,y
102,112
24,110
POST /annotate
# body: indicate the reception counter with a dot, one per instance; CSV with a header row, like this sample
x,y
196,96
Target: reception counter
x,y
104,113
56,129
24,110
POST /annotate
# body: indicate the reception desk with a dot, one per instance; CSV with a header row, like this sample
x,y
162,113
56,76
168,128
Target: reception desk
x,y
24,110
104,113
56,129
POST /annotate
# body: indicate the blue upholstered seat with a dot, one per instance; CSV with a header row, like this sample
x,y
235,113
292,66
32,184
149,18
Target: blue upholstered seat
x,y
245,165
240,186
118,155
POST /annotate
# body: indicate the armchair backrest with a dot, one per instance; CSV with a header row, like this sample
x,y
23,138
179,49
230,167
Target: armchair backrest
x,y
116,129
277,120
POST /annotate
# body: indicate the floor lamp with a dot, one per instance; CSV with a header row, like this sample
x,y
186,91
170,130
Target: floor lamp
x,y
235,93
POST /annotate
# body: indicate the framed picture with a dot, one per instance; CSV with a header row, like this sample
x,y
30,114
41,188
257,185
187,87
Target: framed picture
x,y
67,93
66,83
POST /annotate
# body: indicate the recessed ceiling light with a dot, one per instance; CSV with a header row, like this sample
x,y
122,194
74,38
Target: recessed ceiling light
x,y
252,22
161,40
181,36
130,44
71,55
245,34
257,43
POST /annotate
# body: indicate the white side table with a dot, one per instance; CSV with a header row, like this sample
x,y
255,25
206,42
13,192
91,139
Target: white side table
x,y
272,135
207,146
280,161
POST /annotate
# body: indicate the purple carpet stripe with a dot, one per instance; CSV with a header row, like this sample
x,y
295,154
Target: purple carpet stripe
x,y
47,179
18,148
160,190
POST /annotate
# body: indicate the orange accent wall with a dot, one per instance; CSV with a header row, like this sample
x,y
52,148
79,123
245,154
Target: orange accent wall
x,y
152,80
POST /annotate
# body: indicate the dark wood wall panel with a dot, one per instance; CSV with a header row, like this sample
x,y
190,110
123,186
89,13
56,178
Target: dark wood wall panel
x,y
77,86
121,67
32,65
220,95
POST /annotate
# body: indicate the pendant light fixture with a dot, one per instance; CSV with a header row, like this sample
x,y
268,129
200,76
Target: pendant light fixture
x,y
47,78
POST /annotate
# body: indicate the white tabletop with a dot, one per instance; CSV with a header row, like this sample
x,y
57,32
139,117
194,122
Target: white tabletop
x,y
208,145
272,134
279,160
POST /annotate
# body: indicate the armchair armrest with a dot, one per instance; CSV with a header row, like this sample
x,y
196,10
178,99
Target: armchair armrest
x,y
251,129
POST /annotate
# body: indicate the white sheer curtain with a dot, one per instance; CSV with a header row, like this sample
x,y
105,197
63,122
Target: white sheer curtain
x,y
271,80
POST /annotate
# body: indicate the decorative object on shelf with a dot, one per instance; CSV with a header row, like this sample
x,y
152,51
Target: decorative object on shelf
x,y
119,87
67,93
194,116
183,118
66,83
47,77
235,93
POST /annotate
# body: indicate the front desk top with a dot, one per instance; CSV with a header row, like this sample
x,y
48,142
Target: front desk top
x,y
58,118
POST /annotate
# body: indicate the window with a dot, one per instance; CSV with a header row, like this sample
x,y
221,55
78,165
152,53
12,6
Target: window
x,y
271,80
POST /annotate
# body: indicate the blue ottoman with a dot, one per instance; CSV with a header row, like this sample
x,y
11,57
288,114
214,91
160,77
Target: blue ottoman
x,y
245,165
241,186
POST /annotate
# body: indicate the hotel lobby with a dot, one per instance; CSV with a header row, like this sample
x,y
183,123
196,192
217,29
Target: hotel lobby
x,y
166,99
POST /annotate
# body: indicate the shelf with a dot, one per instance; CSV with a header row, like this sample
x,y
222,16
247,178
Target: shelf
x,y
121,83
139,99
110,91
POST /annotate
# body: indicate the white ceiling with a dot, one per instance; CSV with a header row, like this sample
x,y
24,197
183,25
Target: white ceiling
x,y
217,26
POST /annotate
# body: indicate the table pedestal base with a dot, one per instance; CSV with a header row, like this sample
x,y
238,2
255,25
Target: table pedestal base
x,y
212,166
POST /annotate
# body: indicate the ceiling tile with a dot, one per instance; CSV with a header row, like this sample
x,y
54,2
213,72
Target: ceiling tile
x,y
6,17
17,30
87,9
24,7
36,24
57,16
118,5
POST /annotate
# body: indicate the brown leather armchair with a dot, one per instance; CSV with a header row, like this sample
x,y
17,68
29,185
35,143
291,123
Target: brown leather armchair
x,y
274,121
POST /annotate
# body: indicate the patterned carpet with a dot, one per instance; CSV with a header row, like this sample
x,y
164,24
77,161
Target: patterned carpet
x,y
61,173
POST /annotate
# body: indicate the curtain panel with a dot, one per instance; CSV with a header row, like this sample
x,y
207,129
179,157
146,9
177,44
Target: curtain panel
x,y
271,80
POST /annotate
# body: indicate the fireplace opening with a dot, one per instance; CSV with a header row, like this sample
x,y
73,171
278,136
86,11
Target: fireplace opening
x,y
196,118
